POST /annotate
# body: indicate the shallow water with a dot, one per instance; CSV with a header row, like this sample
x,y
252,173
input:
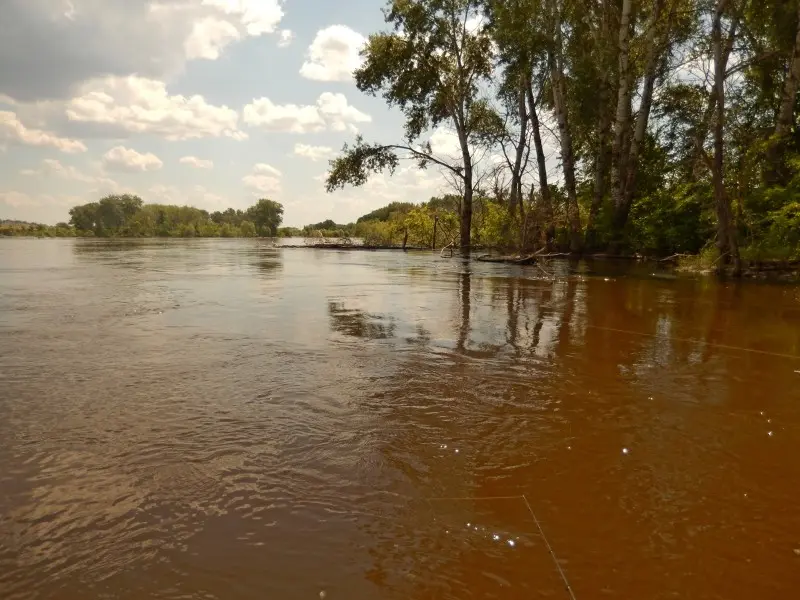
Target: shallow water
x,y
223,419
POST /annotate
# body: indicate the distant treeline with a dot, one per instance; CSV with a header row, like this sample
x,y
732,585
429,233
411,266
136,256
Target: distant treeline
x,y
425,224
128,216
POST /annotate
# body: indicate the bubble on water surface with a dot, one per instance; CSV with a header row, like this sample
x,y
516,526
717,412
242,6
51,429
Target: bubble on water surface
x,y
625,450
495,537
512,543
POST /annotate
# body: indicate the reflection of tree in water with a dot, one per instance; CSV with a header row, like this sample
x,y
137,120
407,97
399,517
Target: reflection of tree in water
x,y
590,362
357,323
270,266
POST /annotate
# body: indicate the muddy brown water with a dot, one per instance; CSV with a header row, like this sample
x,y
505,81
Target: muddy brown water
x,y
223,419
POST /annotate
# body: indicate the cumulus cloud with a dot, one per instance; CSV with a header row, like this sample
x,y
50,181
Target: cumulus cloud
x,y
265,169
13,199
120,158
331,111
257,16
285,38
314,153
138,105
264,178
68,42
52,167
333,55
16,199
197,163
196,195
209,37
445,141
12,130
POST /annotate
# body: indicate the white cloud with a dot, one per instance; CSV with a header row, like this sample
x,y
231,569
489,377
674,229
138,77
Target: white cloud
x,y
285,38
265,169
17,199
283,117
120,158
408,184
263,183
12,130
197,163
331,111
444,141
197,196
209,37
257,16
138,105
314,153
52,167
338,113
333,55
67,42
264,178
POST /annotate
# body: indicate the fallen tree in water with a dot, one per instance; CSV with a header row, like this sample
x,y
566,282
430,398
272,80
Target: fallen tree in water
x,y
513,260
345,246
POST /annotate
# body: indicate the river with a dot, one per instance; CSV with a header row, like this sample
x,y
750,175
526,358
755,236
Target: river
x,y
225,419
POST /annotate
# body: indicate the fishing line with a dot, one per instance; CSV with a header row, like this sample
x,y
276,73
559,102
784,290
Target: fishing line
x,y
535,520
550,548
695,341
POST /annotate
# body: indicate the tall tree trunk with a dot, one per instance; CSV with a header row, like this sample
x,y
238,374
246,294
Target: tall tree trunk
x,y
642,119
601,165
603,150
541,163
466,211
622,120
467,177
700,133
785,121
726,233
564,131
516,171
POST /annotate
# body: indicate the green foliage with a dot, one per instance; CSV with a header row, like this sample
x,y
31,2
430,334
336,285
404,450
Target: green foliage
x,y
414,223
702,262
128,216
266,215
248,229
286,232
377,233
678,220
356,164
385,212
25,229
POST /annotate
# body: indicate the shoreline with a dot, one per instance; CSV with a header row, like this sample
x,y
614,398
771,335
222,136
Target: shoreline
x,y
777,269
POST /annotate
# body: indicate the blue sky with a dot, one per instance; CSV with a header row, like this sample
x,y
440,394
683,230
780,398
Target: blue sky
x,y
213,103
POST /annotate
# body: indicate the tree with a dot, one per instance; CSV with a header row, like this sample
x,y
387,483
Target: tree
x,y
267,216
247,229
431,67
84,217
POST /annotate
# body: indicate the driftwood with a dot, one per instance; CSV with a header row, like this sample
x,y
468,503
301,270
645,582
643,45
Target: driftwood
x,y
673,258
324,246
513,260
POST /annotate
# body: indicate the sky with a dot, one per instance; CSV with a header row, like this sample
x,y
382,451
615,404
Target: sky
x,y
210,103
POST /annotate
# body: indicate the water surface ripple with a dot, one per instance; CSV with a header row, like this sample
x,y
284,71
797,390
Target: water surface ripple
x,y
225,419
